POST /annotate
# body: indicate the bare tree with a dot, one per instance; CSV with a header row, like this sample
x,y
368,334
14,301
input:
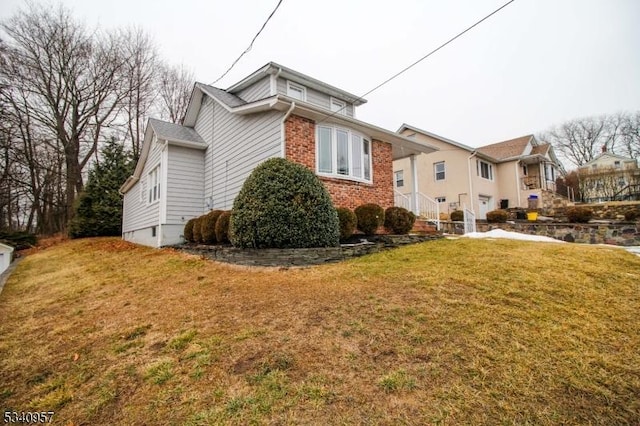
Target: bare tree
x,y
581,140
69,81
174,86
140,74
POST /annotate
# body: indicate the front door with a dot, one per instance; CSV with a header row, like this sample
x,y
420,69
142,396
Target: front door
x,y
484,207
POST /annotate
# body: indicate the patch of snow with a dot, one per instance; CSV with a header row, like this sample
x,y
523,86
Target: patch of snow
x,y
633,249
500,233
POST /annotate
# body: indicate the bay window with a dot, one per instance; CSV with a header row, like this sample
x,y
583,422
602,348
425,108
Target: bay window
x,y
343,153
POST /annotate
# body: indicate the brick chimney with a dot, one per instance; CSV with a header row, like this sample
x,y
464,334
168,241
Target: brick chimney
x,y
604,149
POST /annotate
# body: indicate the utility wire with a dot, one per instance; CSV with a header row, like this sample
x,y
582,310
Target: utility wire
x,y
250,44
399,73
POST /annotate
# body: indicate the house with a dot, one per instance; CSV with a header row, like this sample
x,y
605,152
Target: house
x,y
609,177
500,175
6,253
186,170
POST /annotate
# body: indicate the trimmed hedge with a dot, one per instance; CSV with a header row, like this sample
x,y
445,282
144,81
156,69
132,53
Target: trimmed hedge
x,y
370,217
208,226
283,205
222,227
497,216
197,234
457,216
188,230
579,214
348,222
399,220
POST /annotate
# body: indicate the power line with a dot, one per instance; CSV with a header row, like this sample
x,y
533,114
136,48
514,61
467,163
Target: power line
x,y
250,44
393,77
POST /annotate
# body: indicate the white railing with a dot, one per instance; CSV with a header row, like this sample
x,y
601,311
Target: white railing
x,y
428,208
469,220
401,200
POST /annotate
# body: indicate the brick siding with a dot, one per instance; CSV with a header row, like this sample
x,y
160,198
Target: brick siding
x,y
300,146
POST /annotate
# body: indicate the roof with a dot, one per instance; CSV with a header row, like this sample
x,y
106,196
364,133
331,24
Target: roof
x,y
406,126
608,154
541,149
506,149
223,96
174,132
273,68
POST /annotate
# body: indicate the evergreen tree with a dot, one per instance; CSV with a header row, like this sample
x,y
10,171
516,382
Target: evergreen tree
x,y
99,208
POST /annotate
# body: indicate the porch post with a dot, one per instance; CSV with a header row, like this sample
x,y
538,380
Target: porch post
x,y
414,194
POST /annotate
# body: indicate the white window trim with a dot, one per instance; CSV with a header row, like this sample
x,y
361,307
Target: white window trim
x,y
334,155
441,199
490,170
150,185
297,86
342,109
395,178
435,171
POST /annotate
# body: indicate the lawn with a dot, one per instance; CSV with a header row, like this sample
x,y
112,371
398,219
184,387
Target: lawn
x,y
448,332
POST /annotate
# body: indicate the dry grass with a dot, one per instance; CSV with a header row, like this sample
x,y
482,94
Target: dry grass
x,y
446,332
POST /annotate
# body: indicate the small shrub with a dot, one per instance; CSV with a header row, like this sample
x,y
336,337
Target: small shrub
x,y
348,222
399,220
19,240
631,215
370,217
222,227
197,234
188,230
497,216
579,214
457,216
283,204
208,226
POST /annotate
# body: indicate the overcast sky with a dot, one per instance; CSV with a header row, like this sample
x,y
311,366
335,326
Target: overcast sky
x,y
534,64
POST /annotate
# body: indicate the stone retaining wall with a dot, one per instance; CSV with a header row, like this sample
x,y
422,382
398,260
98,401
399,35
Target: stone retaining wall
x,y
615,234
304,256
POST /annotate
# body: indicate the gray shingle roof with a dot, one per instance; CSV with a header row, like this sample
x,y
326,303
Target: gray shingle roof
x,y
174,132
228,99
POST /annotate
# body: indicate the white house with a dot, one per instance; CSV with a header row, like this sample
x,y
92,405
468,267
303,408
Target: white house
x,y
6,252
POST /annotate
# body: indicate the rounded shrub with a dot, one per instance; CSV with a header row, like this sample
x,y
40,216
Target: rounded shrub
x,y
457,216
579,214
348,222
208,226
188,230
497,216
370,217
283,205
399,220
222,227
197,235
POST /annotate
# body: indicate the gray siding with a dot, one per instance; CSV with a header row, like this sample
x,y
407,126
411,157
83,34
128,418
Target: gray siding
x,y
259,90
236,146
138,213
185,190
314,97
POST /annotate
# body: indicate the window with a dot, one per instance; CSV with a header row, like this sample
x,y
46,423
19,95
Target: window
x,y
438,170
549,172
296,91
484,169
154,185
343,153
153,231
399,178
616,164
525,170
621,182
441,199
338,106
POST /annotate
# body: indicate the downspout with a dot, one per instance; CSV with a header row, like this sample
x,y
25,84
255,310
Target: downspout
x,y
473,154
518,186
282,130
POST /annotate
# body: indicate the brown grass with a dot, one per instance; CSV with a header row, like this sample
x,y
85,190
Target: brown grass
x,y
446,332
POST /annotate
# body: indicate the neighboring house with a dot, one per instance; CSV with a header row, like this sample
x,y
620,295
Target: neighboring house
x,y
499,175
609,177
6,253
186,170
